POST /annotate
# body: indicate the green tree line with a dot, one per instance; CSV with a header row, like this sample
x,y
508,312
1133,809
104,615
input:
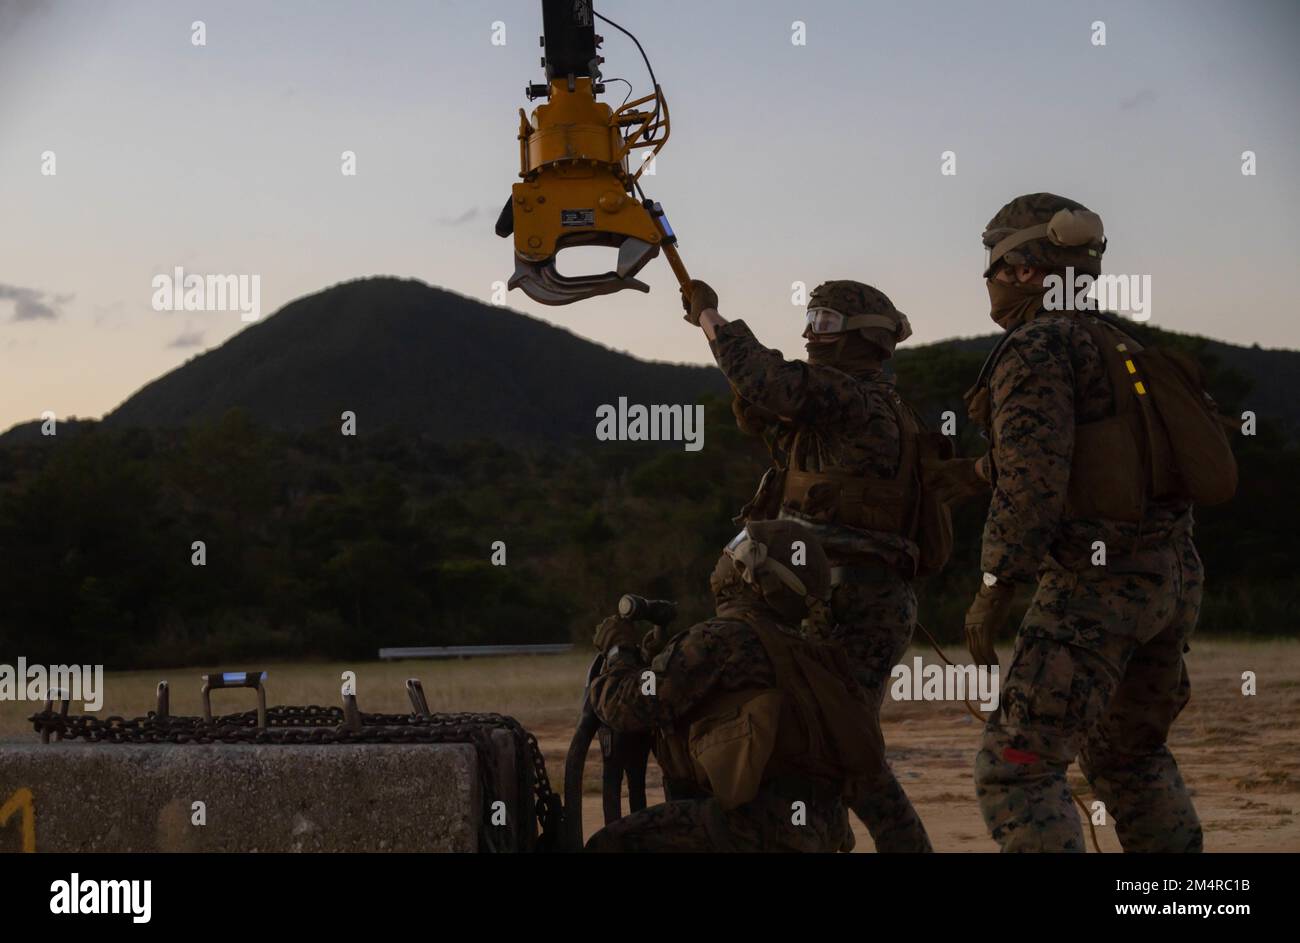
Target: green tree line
x,y
325,546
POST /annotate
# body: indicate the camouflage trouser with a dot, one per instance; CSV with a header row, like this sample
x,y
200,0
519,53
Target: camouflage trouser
x,y
768,823
874,613
1097,673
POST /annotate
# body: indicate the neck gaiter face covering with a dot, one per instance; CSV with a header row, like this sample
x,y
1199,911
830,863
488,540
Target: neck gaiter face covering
x,y
850,352
1013,305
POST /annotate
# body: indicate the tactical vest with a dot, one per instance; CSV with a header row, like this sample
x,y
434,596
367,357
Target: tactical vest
x,y
858,499
811,725
900,505
1164,441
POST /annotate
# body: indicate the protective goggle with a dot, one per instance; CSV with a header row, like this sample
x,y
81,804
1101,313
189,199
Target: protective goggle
x,y
825,321
822,320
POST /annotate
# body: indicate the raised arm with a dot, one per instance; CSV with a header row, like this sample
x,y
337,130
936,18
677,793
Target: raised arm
x,y
790,389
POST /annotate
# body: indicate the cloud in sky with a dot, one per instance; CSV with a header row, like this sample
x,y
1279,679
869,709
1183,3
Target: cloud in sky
x,y
465,217
1139,99
31,304
14,14
188,338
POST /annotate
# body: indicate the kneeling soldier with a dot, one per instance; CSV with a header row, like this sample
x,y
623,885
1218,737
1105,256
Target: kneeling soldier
x,y
759,732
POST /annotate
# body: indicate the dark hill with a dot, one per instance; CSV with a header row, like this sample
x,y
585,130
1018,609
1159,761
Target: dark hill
x,y
404,354
410,356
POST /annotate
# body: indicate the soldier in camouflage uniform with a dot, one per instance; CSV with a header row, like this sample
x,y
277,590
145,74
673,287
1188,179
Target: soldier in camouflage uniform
x,y
1097,672
832,419
764,585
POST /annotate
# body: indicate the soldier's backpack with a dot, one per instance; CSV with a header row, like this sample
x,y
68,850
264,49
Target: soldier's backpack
x,y
1165,440
1178,432
815,724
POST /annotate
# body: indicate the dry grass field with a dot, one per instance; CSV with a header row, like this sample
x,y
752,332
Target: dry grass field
x,y
1240,755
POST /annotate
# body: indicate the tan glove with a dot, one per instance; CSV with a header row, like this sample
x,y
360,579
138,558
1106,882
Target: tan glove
x,y
653,642
985,619
751,419
701,296
956,479
614,630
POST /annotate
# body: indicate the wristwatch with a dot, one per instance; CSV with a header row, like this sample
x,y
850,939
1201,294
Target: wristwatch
x,y
991,580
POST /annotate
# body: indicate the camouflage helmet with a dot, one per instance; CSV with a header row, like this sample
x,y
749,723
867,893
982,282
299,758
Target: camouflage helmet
x,y
1046,231
867,309
780,561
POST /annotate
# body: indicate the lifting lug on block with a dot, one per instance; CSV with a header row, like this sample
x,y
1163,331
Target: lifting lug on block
x,y
419,703
163,710
351,713
65,701
235,679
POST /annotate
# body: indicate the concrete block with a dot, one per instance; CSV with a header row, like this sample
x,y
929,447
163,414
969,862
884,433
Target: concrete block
x,y
339,797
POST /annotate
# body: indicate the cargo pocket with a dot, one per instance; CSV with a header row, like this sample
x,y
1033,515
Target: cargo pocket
x,y
1097,605
1048,615
1050,702
730,749
1140,601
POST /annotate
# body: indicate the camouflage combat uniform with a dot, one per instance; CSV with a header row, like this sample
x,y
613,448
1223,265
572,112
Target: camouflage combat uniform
x,y
1098,668
846,423
720,655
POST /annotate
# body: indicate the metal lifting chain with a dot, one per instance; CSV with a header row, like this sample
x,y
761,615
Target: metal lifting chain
x,y
314,724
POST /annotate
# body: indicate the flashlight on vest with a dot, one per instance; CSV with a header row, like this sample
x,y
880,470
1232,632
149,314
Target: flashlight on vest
x,y
658,611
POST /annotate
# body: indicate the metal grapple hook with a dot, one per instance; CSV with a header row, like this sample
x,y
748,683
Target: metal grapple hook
x,y
541,281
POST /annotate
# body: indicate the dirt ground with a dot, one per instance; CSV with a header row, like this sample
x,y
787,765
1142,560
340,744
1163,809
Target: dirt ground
x,y
1239,754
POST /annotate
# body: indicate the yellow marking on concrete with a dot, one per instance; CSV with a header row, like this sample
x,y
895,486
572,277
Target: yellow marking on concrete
x,y
22,799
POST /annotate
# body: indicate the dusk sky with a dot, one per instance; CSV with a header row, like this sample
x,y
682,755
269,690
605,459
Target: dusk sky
x,y
787,163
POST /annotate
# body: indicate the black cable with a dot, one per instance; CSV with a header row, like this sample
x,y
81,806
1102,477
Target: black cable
x,y
629,89
646,58
649,68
